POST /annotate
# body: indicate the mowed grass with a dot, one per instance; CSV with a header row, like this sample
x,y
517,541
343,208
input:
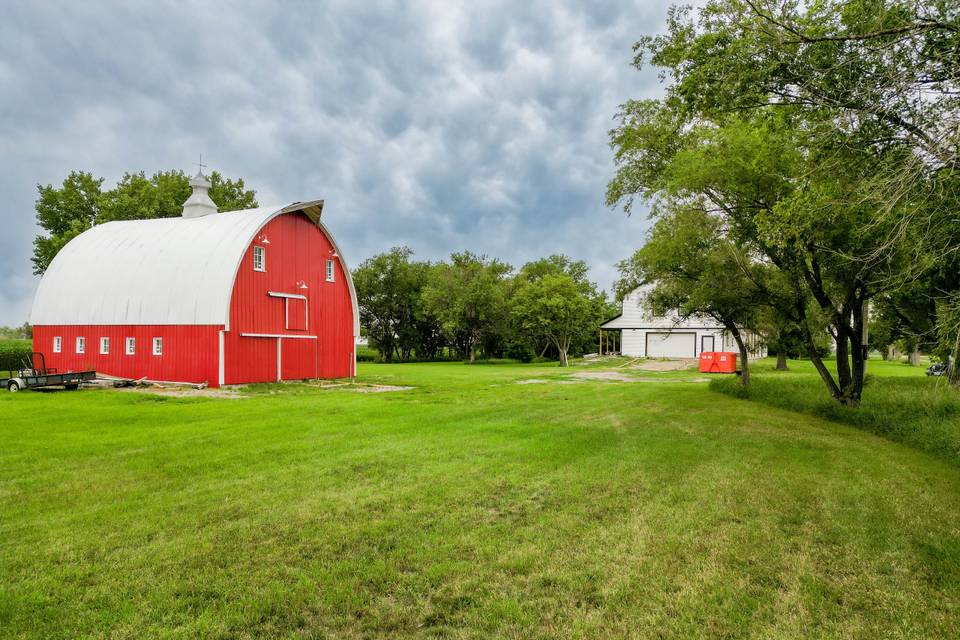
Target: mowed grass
x,y
468,507
899,402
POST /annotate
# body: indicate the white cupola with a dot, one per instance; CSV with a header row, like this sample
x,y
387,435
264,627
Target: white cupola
x,y
199,203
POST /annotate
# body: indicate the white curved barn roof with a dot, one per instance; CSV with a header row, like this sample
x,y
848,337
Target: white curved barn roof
x,y
163,271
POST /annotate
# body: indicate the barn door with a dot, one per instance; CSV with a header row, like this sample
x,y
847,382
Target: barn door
x,y
298,359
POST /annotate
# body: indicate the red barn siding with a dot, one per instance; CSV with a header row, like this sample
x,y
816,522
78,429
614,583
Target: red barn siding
x,y
249,359
296,254
190,353
299,359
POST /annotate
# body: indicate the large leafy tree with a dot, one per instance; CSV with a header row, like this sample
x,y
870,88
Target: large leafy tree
x,y
788,120
389,290
469,296
555,302
695,269
64,213
80,202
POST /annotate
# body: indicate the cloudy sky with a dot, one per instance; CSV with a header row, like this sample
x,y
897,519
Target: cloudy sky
x,y
481,126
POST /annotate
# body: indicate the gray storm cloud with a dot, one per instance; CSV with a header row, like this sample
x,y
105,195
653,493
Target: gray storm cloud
x,y
442,127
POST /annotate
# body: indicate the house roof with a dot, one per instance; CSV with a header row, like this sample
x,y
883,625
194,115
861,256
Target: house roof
x,y
635,316
166,271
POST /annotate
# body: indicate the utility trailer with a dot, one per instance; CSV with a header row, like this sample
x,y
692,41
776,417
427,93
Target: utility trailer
x,y
35,374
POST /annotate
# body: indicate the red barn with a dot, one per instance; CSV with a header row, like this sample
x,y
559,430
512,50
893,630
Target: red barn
x,y
260,295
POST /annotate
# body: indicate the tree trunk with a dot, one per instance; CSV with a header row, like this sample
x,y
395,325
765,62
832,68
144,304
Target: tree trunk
x,y
891,353
744,362
473,353
563,356
915,356
953,363
851,352
817,360
781,360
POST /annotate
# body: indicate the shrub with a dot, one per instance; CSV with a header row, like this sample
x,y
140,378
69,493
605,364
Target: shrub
x,y
367,354
14,355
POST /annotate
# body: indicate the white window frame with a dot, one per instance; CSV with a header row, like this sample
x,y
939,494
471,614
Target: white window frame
x,y
131,345
157,346
261,253
104,345
81,344
331,271
57,344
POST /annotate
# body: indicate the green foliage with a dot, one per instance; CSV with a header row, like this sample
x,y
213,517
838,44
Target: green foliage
x,y
14,355
23,332
64,213
368,354
817,132
554,308
554,304
469,297
79,203
696,270
389,290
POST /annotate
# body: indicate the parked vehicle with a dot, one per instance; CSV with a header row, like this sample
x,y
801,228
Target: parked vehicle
x,y
937,369
35,374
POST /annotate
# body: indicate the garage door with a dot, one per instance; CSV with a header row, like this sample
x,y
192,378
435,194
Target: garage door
x,y
671,345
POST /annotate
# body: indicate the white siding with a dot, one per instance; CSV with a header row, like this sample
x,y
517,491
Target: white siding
x,y
635,323
634,316
632,343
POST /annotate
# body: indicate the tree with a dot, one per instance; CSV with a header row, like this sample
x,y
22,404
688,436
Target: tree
x,y
81,203
554,301
137,197
23,332
698,271
779,117
389,288
64,213
583,337
468,295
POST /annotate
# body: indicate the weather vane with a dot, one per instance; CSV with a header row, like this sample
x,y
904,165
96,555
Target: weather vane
x,y
201,165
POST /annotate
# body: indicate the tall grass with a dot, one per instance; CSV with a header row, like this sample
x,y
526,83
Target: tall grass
x,y
921,412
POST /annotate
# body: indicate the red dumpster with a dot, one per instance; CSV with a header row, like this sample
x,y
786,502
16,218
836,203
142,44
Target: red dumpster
x,y
718,362
706,361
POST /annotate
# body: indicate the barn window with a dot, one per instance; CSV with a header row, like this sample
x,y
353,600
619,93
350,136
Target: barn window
x,y
104,346
259,259
131,346
57,344
330,271
158,346
81,344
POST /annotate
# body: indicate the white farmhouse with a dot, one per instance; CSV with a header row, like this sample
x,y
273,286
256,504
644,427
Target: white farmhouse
x,y
644,335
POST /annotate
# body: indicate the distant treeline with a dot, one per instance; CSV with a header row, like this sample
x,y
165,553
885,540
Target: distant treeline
x,y
23,332
470,306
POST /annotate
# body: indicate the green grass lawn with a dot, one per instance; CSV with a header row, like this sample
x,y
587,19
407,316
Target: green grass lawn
x,y
468,507
899,402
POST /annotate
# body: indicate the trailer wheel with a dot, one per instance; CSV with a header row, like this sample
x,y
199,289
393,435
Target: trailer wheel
x,y
13,386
